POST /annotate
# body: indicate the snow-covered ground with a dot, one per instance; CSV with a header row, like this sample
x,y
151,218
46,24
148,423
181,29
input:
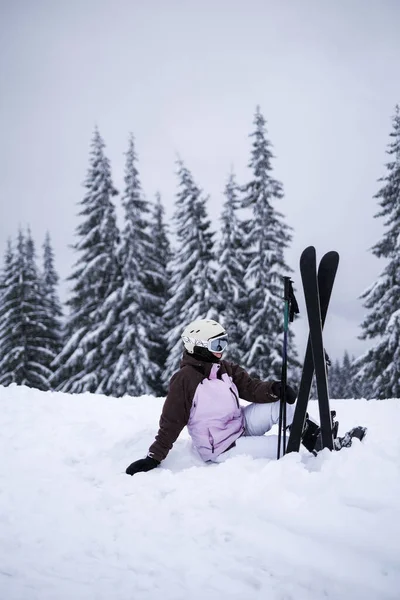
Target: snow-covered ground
x,y
73,526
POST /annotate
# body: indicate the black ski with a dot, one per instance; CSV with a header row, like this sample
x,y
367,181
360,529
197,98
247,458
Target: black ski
x,y
326,277
308,269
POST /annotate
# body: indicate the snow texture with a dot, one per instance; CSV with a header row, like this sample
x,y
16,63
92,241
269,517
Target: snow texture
x,y
74,525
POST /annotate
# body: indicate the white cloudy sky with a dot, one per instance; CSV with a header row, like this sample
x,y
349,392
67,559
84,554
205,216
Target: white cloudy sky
x,y
185,77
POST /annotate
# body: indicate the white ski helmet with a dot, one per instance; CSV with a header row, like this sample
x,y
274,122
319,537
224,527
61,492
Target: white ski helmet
x,y
205,333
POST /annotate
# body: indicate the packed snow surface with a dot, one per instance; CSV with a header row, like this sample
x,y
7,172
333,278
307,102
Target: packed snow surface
x,y
73,525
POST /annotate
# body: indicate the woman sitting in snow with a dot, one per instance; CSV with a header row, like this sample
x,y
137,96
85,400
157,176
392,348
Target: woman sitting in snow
x,y
204,395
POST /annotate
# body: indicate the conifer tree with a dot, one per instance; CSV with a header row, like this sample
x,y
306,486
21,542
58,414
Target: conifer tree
x,y
159,287
7,268
347,375
354,386
266,238
133,372
53,311
7,288
82,364
379,367
24,358
335,380
230,272
341,378
192,270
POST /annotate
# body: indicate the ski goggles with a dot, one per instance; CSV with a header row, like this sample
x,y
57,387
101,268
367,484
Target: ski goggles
x,y
214,345
217,344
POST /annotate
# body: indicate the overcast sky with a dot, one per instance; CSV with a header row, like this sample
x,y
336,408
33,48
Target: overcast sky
x,y
185,78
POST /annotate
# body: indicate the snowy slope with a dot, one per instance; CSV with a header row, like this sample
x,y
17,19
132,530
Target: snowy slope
x,y
74,526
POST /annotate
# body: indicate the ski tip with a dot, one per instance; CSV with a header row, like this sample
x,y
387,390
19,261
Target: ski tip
x,y
308,255
329,258
332,254
309,251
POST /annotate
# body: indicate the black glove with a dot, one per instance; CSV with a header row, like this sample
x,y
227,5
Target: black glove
x,y
291,393
142,465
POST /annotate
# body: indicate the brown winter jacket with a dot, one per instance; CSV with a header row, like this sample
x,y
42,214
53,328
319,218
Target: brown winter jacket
x,y
182,388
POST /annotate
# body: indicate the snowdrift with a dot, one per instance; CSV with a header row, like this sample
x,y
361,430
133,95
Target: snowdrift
x,y
74,526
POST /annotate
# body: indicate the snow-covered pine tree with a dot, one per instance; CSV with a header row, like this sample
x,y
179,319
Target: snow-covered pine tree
x,y
230,273
53,311
25,358
133,371
379,367
266,238
159,287
349,385
7,268
192,268
341,378
354,387
7,282
82,364
335,380
41,333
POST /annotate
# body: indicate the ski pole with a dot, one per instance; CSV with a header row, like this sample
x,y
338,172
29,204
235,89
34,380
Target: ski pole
x,y
290,309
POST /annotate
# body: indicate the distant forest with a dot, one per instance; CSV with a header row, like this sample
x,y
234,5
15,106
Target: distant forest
x,y
132,291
